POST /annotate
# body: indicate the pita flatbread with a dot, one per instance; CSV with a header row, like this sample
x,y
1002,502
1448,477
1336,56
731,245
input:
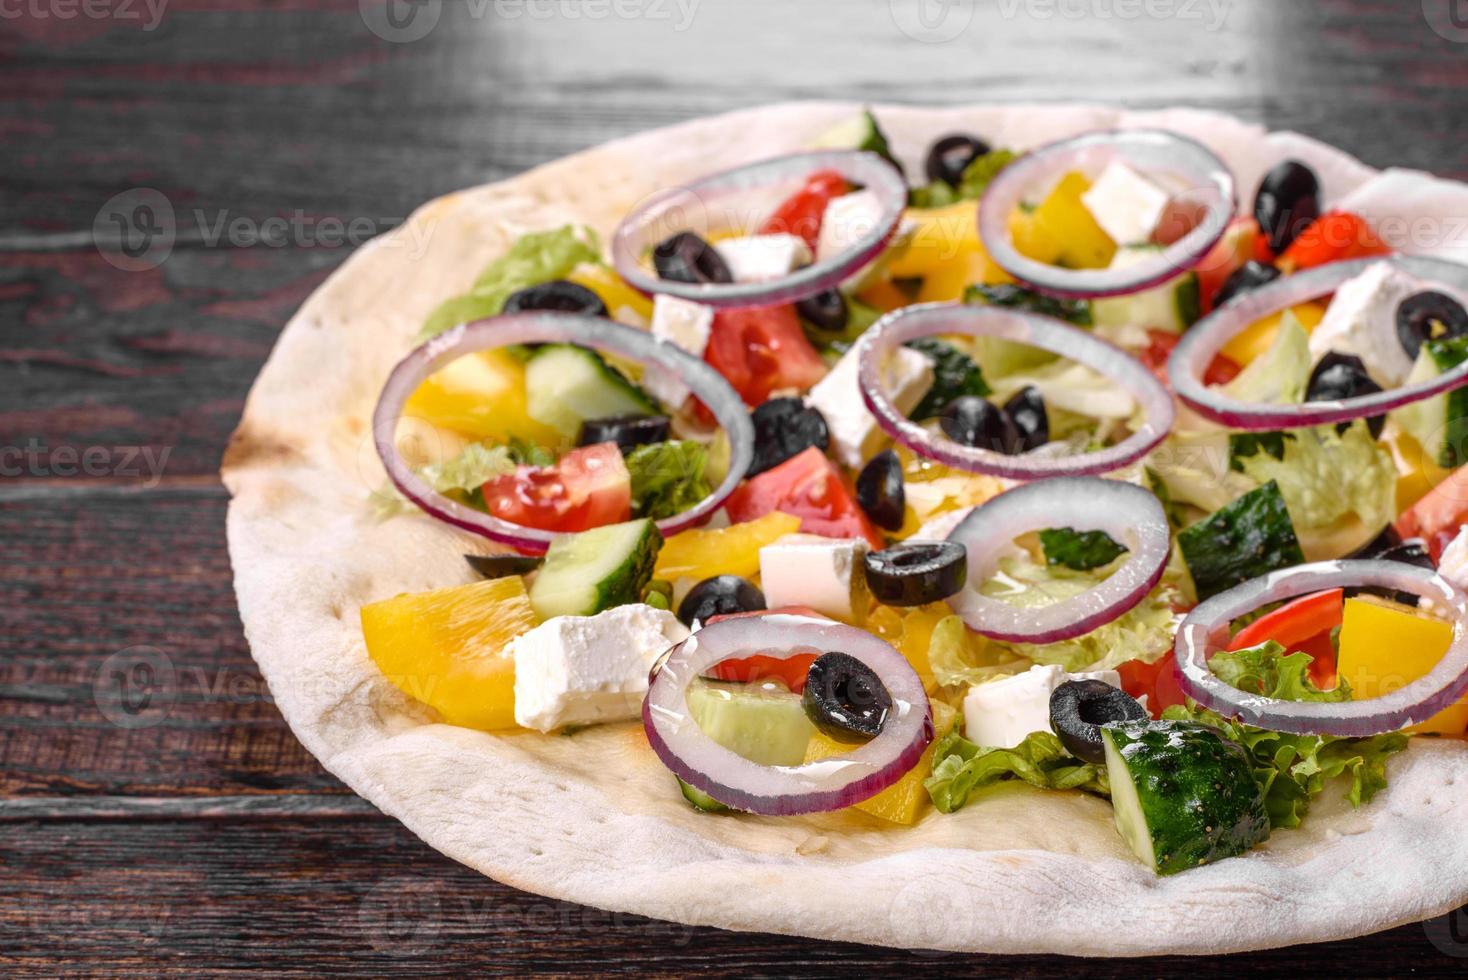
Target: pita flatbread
x,y
594,818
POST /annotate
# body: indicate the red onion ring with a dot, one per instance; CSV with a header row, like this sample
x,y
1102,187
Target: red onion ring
x,y
720,201
1209,181
1205,630
929,319
1133,517
1195,351
526,328
826,784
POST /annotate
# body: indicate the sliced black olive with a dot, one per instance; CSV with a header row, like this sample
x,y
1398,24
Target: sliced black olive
x,y
719,596
1078,709
1246,278
502,566
1288,202
685,257
880,490
1429,316
917,572
1379,545
950,156
972,421
785,427
826,311
627,431
1026,411
845,698
1339,376
558,295
1389,546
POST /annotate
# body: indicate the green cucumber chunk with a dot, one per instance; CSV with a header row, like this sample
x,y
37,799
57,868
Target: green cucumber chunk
x,y
1182,795
762,721
700,799
565,385
595,570
1173,306
1440,423
1244,539
858,133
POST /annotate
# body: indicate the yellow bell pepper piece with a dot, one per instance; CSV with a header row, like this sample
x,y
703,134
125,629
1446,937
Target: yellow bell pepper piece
x,y
733,550
883,295
604,281
1417,471
1258,337
448,648
1064,218
905,800
1385,646
482,396
1032,240
943,249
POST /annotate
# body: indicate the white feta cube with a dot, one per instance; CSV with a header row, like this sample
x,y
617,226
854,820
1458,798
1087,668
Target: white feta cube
x,y
1454,563
1125,204
1362,320
999,714
847,220
685,324
580,670
826,574
855,435
756,258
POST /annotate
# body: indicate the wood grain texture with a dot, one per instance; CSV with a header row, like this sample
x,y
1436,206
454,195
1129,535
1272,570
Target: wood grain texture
x,y
158,813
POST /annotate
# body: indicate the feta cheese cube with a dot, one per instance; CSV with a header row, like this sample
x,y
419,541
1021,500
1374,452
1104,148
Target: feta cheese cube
x,y
855,435
999,714
826,574
1362,320
1125,204
685,324
579,670
756,258
847,219
1454,563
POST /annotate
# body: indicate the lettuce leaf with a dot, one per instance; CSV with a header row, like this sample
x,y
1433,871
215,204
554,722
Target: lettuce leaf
x,y
460,476
960,767
1325,475
971,187
1081,550
534,258
956,655
1281,374
1142,633
1293,769
667,477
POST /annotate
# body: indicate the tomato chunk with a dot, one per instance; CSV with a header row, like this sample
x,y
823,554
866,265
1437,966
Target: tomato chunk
x,y
1334,237
1160,344
801,213
1303,624
1157,682
587,488
807,486
1225,258
1439,515
761,350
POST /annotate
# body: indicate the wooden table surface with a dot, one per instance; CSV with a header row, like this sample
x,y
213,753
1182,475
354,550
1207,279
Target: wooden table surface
x,y
197,835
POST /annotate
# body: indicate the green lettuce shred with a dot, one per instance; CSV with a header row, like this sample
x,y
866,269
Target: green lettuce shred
x,y
1325,475
958,656
461,477
976,178
1281,374
961,766
535,258
667,477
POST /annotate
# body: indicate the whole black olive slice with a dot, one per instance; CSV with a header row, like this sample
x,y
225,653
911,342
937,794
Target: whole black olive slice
x,y
950,156
503,566
558,295
826,311
973,421
785,427
1389,546
880,491
845,699
1026,411
1339,376
917,572
1429,316
719,596
685,257
627,431
1287,202
1246,278
1078,709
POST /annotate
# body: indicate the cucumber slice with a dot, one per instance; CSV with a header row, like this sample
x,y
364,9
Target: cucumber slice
x,y
1439,424
700,799
565,385
595,570
1173,306
763,721
1247,538
859,133
1182,795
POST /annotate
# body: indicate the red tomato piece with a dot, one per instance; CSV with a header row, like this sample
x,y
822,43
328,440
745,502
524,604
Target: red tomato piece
x,y
1221,370
790,671
1440,515
762,349
589,487
1334,237
1303,624
1225,258
807,486
801,213
1155,681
